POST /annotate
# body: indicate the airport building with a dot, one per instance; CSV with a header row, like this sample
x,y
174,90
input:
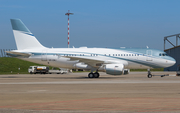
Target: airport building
x,y
173,52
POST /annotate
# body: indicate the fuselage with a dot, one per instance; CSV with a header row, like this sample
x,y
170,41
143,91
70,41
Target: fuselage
x,y
131,58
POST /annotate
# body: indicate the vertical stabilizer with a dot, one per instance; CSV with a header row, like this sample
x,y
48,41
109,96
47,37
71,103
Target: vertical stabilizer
x,y
23,37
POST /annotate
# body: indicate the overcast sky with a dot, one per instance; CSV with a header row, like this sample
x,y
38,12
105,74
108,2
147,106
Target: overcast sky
x,y
95,23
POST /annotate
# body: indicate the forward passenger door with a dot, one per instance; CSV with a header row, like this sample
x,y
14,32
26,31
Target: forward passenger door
x,y
149,55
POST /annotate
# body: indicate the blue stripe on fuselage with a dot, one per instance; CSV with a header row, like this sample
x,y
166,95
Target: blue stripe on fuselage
x,y
146,63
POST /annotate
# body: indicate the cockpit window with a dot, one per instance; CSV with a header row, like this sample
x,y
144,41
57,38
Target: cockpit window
x,y
163,54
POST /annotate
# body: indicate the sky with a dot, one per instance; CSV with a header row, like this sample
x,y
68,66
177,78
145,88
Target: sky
x,y
95,23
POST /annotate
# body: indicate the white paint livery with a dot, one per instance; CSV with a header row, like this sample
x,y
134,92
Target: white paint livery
x,y
25,40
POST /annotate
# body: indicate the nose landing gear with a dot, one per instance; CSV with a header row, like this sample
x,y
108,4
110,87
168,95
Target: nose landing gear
x,y
150,75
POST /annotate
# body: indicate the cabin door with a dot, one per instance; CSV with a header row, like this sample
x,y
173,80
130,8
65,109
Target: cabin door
x,y
149,55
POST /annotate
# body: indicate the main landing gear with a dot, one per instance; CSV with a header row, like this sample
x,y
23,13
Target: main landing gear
x,y
93,75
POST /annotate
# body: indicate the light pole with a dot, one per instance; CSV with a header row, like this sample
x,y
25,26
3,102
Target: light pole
x,y
68,13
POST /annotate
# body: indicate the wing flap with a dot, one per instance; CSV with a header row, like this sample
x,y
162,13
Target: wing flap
x,y
92,62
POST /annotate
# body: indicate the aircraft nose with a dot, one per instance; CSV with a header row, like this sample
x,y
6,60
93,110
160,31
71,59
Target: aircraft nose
x,y
172,62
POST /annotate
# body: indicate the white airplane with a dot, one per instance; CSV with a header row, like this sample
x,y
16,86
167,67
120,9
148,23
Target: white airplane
x,y
112,61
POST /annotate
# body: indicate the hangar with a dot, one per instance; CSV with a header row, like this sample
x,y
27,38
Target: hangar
x,y
174,51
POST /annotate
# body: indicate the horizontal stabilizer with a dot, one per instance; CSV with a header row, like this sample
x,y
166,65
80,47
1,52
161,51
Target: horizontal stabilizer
x,y
18,54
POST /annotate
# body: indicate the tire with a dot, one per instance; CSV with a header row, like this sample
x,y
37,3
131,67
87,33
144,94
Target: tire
x,y
96,75
91,75
149,76
31,72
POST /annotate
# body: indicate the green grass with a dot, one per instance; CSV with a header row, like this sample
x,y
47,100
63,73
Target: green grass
x,y
8,65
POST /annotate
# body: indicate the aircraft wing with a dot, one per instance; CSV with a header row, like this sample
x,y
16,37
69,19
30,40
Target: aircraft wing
x,y
92,62
18,54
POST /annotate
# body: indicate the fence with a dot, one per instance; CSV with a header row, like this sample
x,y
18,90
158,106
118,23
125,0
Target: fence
x,y
3,52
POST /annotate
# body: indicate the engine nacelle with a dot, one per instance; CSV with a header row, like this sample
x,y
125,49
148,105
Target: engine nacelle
x,y
114,69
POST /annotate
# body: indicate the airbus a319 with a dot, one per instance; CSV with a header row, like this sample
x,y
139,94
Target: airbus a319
x,y
113,61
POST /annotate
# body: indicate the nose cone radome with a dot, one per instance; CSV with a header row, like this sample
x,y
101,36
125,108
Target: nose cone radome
x,y
171,62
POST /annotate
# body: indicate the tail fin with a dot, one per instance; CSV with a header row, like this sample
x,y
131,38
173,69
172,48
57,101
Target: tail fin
x,y
23,37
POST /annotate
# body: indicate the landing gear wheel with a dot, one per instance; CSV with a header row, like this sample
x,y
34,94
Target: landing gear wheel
x,y
96,75
91,75
149,76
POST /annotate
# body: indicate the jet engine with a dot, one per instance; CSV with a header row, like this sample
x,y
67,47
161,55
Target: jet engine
x,y
114,69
